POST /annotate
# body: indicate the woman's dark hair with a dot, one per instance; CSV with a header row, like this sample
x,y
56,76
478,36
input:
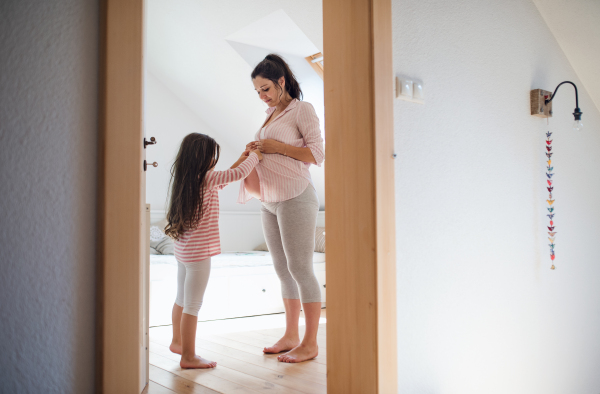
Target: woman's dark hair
x,y
198,154
273,67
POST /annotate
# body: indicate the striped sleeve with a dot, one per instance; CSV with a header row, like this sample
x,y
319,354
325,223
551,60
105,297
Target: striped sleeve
x,y
222,178
308,125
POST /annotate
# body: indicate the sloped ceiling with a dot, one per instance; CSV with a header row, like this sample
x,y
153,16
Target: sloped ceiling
x,y
576,26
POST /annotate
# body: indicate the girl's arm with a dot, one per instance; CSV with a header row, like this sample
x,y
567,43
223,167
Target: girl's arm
x,y
243,157
239,170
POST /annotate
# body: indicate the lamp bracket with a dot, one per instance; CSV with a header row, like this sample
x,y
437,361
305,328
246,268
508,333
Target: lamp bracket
x,y
539,107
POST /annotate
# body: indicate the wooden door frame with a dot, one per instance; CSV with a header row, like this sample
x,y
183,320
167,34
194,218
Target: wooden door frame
x,y
361,259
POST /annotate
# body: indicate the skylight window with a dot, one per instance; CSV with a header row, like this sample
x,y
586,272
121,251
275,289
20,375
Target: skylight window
x,y
316,62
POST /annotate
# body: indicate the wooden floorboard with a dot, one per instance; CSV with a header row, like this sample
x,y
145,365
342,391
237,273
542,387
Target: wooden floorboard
x,y
258,342
176,383
155,388
241,365
308,370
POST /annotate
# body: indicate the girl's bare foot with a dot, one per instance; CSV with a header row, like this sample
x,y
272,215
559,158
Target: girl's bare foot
x,y
282,345
175,348
196,362
300,353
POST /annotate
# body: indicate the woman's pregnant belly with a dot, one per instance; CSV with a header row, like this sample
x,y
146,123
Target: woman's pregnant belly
x,y
252,184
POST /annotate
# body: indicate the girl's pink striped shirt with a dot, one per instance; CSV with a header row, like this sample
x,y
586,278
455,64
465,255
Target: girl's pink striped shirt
x,y
282,177
204,241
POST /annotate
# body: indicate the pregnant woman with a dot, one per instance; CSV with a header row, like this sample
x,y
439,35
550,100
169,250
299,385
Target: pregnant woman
x,y
290,140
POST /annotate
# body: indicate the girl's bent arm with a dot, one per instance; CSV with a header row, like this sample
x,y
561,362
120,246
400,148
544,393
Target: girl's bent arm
x,y
241,171
242,158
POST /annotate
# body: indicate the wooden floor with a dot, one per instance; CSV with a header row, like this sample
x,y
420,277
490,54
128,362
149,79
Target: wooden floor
x,y
242,367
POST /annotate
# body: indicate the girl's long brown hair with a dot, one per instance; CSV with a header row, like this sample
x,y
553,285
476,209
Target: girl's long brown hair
x,y
197,155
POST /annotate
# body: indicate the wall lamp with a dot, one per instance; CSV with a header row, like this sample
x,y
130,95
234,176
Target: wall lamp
x,y
541,104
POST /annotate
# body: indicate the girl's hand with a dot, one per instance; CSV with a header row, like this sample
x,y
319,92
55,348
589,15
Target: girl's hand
x,y
270,146
260,157
251,146
244,155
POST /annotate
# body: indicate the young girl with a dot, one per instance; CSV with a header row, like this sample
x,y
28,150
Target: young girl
x,y
193,223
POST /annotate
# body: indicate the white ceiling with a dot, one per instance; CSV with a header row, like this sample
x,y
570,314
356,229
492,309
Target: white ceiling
x,y
576,26
290,39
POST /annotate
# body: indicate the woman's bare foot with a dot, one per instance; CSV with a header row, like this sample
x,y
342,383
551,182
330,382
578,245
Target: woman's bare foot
x,y
175,348
282,345
196,362
300,353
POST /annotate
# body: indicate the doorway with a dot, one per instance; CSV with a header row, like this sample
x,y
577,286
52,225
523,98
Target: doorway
x,y
360,228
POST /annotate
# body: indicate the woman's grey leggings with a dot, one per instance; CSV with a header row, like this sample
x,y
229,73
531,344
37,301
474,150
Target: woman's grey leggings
x,y
192,279
289,228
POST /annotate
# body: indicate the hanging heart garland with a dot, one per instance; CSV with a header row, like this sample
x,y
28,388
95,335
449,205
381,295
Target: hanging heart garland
x,y
550,201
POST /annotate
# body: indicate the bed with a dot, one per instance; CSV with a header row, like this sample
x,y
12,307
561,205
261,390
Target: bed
x,y
241,284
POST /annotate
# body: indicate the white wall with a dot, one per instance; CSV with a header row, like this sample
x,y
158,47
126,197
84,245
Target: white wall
x,y
479,310
48,173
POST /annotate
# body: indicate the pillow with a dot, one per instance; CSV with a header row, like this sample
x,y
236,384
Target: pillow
x,y
319,241
164,246
159,242
262,247
156,234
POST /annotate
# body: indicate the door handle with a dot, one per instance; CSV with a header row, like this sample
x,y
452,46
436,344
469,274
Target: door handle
x,y
146,164
151,142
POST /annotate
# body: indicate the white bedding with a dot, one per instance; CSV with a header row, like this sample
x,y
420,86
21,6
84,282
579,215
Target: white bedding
x,y
240,284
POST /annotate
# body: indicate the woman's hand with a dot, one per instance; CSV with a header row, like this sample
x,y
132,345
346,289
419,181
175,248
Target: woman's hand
x,y
251,146
270,146
260,157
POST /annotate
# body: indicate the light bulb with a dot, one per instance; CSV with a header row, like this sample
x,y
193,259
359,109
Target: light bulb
x,y
578,125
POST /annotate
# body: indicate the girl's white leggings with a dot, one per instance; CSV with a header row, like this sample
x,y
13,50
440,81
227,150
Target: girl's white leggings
x,y
192,279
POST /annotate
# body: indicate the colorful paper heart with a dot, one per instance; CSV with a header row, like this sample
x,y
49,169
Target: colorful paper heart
x,y
548,134
548,142
549,175
552,257
550,202
549,148
551,209
552,234
549,155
